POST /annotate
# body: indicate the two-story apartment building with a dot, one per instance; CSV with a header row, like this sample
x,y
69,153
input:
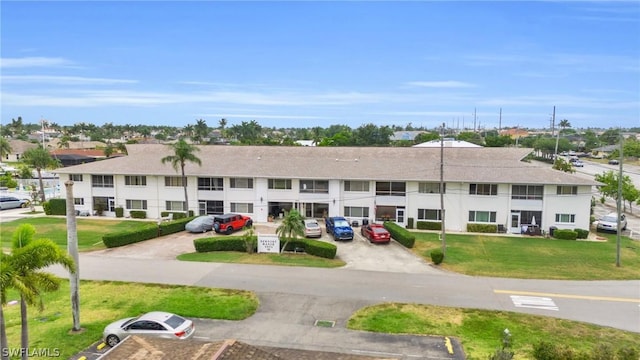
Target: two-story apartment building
x,y
481,185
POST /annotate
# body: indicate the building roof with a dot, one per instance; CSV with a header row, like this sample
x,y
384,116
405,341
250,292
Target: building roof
x,y
479,165
20,146
448,143
138,347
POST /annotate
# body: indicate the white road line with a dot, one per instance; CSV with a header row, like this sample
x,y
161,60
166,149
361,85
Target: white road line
x,y
534,302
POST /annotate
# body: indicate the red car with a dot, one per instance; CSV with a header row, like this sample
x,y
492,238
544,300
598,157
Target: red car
x,y
229,223
375,233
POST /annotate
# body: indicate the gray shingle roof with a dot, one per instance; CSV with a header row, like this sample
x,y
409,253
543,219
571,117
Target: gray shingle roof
x,y
494,165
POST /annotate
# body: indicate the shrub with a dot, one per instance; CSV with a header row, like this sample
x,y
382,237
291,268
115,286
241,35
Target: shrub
x,y
239,243
119,212
482,228
130,237
437,256
400,234
57,207
565,234
174,226
46,207
138,214
429,225
410,223
582,233
313,247
226,243
99,208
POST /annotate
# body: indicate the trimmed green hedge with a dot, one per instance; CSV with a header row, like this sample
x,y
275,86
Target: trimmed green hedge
x,y
174,226
138,214
582,233
55,207
400,234
437,256
429,225
482,228
565,234
410,223
236,243
130,237
119,212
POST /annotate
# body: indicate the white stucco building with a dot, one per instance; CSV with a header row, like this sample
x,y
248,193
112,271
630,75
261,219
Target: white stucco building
x,y
482,185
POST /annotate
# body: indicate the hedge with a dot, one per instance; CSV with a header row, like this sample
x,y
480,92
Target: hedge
x,y
236,243
400,234
172,227
119,212
429,225
55,207
482,228
410,223
130,237
582,233
565,234
138,214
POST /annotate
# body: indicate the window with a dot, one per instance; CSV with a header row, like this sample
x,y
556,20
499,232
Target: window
x,y
482,216
242,207
103,202
241,183
173,181
175,205
137,204
78,201
390,188
355,211
211,207
430,188
567,190
75,177
483,189
356,185
565,218
210,184
429,214
104,181
280,184
314,186
527,192
135,180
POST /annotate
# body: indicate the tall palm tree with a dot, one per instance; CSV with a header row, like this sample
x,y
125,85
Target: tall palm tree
x,y
22,271
182,153
5,148
223,124
40,159
291,227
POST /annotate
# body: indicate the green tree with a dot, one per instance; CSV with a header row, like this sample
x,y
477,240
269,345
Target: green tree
x,y
372,135
108,150
40,159
182,153
590,140
498,141
610,136
5,148
426,136
291,228
470,136
200,131
562,165
22,270
610,188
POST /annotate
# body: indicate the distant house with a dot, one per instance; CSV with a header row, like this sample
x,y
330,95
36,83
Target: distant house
x,y
604,151
69,157
405,135
514,133
448,142
18,147
306,142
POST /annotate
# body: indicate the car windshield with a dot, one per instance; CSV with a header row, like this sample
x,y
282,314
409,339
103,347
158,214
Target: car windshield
x,y
341,223
175,321
378,230
609,219
312,225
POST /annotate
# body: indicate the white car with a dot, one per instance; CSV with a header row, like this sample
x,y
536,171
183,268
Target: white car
x,y
312,228
578,163
156,323
12,202
609,223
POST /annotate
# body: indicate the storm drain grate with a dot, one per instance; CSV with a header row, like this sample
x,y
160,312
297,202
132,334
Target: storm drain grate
x,y
325,323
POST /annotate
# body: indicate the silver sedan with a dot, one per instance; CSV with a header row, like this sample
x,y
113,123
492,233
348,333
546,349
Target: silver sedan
x,y
156,323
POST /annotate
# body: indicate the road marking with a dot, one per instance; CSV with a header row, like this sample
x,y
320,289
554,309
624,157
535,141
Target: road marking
x,y
568,296
534,302
447,343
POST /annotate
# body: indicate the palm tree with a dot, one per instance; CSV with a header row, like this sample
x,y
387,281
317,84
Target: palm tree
x,y
39,158
22,271
5,147
291,227
223,124
564,123
182,152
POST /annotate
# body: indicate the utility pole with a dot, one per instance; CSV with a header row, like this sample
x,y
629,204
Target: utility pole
x,y
444,234
474,119
500,122
618,204
558,136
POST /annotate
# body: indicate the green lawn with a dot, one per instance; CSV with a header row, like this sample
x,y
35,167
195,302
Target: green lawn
x,y
262,259
480,331
104,302
90,231
533,257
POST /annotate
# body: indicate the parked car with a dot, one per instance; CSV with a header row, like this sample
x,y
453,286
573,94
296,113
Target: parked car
x,y
609,222
312,228
12,202
578,163
200,224
156,323
339,227
614,162
229,223
375,233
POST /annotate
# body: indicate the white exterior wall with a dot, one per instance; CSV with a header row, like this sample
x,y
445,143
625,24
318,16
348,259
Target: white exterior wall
x,y
364,199
579,204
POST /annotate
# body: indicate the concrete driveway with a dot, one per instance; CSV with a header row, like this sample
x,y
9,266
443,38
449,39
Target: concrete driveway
x,y
359,254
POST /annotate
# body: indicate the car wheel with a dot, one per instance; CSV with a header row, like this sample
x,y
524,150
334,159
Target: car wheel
x,y
248,223
229,230
24,205
112,340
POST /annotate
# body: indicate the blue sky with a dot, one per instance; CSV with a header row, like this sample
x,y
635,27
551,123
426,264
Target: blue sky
x,y
304,64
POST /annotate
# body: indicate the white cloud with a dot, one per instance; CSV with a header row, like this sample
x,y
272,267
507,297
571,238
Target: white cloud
x,y
33,62
441,84
63,80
